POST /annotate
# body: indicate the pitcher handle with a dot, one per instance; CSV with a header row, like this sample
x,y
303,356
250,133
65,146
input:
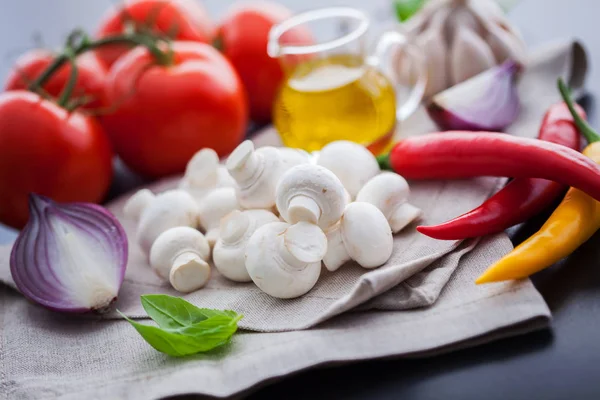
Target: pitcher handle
x,y
393,39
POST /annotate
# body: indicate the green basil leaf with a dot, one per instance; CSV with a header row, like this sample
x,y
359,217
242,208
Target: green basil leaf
x,y
407,8
184,329
174,312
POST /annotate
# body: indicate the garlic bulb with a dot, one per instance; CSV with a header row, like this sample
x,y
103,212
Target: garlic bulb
x,y
460,39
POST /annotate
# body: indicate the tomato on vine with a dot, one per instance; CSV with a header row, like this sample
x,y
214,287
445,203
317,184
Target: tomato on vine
x,y
178,19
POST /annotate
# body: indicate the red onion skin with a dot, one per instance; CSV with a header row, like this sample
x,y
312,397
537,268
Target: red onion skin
x,y
30,253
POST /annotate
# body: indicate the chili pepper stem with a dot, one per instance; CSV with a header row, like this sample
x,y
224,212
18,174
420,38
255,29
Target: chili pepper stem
x,y
590,134
384,162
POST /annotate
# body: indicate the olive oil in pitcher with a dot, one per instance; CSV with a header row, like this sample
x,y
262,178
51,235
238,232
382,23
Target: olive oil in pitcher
x,y
336,98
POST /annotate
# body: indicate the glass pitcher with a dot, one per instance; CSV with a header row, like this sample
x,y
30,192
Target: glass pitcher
x,y
336,90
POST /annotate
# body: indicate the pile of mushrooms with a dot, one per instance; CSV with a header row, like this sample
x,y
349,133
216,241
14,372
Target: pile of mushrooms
x,y
272,216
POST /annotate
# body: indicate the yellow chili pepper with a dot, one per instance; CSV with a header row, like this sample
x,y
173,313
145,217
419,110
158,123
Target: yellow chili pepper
x,y
573,222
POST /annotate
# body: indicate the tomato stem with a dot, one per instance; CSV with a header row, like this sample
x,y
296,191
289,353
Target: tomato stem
x,y
147,40
68,89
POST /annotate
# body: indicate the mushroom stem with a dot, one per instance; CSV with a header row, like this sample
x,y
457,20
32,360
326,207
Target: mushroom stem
x,y
245,164
403,215
303,208
337,255
189,272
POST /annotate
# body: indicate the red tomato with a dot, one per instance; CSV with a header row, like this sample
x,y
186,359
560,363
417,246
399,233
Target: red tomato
x,y
46,150
90,78
243,36
165,114
187,17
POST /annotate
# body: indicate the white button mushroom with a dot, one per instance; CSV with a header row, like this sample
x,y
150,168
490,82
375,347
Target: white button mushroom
x,y
180,255
284,260
214,206
363,235
389,192
157,213
310,193
136,204
236,229
257,172
352,163
204,173
292,157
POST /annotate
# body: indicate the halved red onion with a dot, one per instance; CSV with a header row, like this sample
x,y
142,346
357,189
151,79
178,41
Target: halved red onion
x,y
69,257
486,102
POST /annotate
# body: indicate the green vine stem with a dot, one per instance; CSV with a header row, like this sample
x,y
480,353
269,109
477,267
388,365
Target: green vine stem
x,y
68,89
146,40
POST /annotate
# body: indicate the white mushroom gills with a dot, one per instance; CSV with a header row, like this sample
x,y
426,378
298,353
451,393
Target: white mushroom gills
x,y
310,193
236,229
389,192
180,254
284,260
363,235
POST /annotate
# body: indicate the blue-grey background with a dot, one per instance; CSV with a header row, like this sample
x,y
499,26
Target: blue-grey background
x,y
560,363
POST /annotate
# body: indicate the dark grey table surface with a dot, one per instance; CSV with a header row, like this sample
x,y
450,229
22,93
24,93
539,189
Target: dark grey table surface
x,y
562,362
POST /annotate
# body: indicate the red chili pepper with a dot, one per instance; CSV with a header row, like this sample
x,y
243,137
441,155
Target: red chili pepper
x,y
460,154
521,198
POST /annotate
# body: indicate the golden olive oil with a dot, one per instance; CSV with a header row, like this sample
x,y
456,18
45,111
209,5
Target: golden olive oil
x,y
336,98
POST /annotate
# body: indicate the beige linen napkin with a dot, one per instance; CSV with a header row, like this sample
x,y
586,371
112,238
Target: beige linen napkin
x,y
109,360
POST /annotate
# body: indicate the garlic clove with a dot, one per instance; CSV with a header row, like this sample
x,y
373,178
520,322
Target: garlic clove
x,y
470,55
306,242
504,44
462,16
487,10
436,54
404,215
189,273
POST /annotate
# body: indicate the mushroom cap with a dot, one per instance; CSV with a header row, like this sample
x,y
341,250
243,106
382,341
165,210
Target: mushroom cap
x,y
267,261
167,210
351,162
236,229
215,205
136,204
201,170
311,193
385,191
173,243
366,234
